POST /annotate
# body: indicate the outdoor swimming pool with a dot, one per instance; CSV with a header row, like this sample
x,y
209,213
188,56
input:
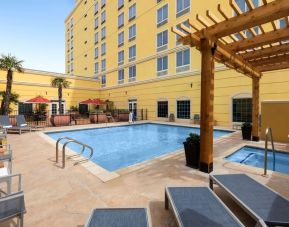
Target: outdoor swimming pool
x,y
122,146
254,156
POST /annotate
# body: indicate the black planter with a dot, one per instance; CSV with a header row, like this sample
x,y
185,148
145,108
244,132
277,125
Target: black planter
x,y
246,133
192,152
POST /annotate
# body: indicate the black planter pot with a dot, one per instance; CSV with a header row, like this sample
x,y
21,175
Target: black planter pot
x,y
246,133
192,152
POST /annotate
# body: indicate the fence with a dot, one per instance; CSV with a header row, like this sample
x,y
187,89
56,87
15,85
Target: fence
x,y
45,118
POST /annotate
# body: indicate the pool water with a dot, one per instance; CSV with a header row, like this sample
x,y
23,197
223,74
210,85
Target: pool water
x,y
254,156
122,146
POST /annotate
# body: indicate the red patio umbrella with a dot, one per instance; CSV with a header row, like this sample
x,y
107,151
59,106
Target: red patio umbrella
x,y
96,102
38,100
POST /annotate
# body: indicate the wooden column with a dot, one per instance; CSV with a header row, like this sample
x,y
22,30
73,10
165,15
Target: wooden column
x,y
255,109
207,105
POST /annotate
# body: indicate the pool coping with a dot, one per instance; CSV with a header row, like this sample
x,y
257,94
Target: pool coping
x,y
105,175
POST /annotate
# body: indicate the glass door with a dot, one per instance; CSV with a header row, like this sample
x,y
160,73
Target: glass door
x,y
132,107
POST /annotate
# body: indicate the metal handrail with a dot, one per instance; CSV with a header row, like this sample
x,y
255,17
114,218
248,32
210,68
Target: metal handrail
x,y
70,140
269,132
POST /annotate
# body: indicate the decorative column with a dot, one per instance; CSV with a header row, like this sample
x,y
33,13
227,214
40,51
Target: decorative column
x,y
255,109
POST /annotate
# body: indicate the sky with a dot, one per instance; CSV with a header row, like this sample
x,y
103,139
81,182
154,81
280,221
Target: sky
x,y
33,31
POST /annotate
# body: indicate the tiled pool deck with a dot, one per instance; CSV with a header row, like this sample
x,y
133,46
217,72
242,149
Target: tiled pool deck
x,y
65,197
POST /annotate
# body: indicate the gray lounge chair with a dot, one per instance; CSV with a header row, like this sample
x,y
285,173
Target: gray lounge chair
x,y
259,201
198,206
21,123
12,205
5,123
6,159
119,217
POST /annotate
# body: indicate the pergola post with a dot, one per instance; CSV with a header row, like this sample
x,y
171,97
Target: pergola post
x,y
255,109
207,104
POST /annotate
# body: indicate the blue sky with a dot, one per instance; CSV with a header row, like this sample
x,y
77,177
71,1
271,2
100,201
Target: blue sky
x,y
33,31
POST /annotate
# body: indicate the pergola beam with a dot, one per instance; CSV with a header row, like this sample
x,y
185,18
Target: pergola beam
x,y
267,52
260,40
266,68
261,15
271,60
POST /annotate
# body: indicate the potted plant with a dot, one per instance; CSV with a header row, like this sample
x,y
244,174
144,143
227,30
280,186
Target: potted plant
x,y
246,131
192,150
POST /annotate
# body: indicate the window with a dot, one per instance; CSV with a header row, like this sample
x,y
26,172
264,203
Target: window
x,y
120,20
25,108
162,40
68,68
96,8
96,23
132,53
96,38
184,109
71,33
183,6
183,60
242,110
103,65
103,81
132,73
103,49
132,32
71,56
132,12
96,52
120,39
103,33
71,67
71,44
162,66
120,4
103,2
163,109
103,17
96,67
162,15
121,76
120,57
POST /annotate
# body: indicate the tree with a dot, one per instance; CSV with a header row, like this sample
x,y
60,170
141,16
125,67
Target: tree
x,y
13,99
10,64
60,83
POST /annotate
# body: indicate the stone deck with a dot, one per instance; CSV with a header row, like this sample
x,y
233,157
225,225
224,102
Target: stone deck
x,y
65,197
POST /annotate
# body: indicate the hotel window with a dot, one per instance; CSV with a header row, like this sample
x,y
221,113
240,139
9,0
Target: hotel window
x,y
132,73
96,8
162,40
121,76
132,53
71,33
121,57
162,15
72,22
71,56
103,17
103,65
132,32
184,109
68,68
120,4
242,110
103,81
103,33
132,12
163,109
103,49
183,60
96,23
96,52
68,58
103,2
96,67
120,20
71,67
162,66
68,46
96,38
183,6
71,44
120,39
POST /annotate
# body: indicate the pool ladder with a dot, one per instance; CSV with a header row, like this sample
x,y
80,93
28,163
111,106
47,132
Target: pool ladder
x,y
269,133
70,140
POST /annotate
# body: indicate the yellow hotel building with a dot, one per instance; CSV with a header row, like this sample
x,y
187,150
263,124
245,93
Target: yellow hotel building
x,y
124,51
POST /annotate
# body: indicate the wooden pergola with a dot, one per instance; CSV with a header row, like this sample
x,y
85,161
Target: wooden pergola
x,y
250,42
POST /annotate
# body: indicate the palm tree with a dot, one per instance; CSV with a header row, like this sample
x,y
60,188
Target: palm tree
x,y
60,83
13,100
10,64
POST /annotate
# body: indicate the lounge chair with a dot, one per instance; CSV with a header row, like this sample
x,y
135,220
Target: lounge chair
x,y
5,123
21,123
198,206
12,205
119,217
259,201
6,168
